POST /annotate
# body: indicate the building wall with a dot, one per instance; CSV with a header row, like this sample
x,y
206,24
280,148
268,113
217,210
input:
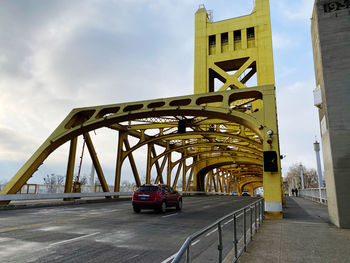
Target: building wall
x,y
330,31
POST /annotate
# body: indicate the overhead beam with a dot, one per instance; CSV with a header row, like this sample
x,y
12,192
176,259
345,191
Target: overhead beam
x,y
70,166
96,162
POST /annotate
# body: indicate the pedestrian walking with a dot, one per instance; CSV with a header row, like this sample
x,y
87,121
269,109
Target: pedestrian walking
x,y
292,192
296,191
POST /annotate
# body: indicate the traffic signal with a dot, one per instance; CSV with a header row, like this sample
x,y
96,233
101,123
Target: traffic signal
x,y
270,161
181,126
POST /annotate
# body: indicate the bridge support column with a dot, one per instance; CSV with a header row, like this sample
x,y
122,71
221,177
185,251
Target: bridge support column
x,y
96,162
272,180
70,166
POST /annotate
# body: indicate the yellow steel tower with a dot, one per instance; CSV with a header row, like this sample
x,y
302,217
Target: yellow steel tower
x,y
228,54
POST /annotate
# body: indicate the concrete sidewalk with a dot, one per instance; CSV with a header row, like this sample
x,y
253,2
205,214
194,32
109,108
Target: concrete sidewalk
x,y
304,235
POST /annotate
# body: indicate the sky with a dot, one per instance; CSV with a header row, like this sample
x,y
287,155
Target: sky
x,y
60,55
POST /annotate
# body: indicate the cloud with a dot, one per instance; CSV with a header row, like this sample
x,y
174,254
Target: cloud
x,y
282,41
298,123
14,144
59,56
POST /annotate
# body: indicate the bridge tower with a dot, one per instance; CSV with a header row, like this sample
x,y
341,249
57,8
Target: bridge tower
x,y
231,54
330,31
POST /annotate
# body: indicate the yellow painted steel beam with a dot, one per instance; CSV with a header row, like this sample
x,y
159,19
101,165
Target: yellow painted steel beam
x,y
96,162
119,161
83,120
195,135
184,170
70,166
177,175
159,178
242,183
149,163
132,163
170,166
206,149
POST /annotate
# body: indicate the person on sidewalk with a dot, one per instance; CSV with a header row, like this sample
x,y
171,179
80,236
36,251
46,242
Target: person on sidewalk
x,y
296,191
292,192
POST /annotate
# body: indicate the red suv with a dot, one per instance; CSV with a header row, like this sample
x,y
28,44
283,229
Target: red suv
x,y
159,197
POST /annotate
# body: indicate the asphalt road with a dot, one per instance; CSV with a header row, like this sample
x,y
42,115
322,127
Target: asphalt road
x,y
112,232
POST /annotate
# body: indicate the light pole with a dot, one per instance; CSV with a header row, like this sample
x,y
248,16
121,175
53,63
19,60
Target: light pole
x,y
319,170
302,176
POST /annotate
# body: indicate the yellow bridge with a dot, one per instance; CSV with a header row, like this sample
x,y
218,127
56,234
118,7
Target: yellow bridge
x,y
226,134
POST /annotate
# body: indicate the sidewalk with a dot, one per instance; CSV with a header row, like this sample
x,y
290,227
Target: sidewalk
x,y
303,235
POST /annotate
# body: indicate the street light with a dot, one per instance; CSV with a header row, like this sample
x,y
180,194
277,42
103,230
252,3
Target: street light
x,y
302,176
319,170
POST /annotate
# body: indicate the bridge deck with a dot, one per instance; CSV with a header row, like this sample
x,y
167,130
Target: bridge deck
x,y
304,235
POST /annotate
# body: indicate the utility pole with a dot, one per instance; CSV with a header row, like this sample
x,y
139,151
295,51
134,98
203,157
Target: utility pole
x,y
302,176
319,169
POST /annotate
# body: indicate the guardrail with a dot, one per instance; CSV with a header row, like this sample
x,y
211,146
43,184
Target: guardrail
x,y
315,194
255,210
13,197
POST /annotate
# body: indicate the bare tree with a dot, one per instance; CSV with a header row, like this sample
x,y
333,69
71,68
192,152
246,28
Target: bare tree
x,y
127,185
52,181
152,180
83,180
293,176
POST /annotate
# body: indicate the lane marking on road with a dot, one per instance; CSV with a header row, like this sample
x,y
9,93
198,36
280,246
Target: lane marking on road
x,y
133,257
169,258
60,221
240,214
195,242
94,212
211,232
170,215
228,221
72,239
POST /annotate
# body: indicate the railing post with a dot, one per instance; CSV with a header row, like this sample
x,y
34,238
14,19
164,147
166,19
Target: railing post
x,y
220,246
259,215
251,223
263,209
245,230
235,234
255,217
188,254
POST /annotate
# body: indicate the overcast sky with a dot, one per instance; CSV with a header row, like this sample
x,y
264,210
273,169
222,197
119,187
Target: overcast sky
x,y
60,55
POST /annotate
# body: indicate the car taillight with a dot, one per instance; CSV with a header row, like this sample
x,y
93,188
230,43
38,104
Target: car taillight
x,y
134,195
156,195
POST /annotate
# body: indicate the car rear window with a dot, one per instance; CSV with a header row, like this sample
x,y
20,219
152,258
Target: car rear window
x,y
147,188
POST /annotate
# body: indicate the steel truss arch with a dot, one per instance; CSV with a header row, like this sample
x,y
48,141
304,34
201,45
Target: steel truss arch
x,y
83,120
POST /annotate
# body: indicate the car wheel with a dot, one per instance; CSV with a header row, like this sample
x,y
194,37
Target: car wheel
x,y
137,209
179,205
163,207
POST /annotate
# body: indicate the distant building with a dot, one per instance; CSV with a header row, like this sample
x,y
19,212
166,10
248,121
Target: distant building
x,y
330,31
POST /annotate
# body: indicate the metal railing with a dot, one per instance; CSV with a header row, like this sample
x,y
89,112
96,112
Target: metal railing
x,y
255,211
39,196
315,194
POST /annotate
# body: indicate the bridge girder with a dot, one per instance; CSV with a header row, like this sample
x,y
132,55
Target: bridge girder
x,y
83,120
